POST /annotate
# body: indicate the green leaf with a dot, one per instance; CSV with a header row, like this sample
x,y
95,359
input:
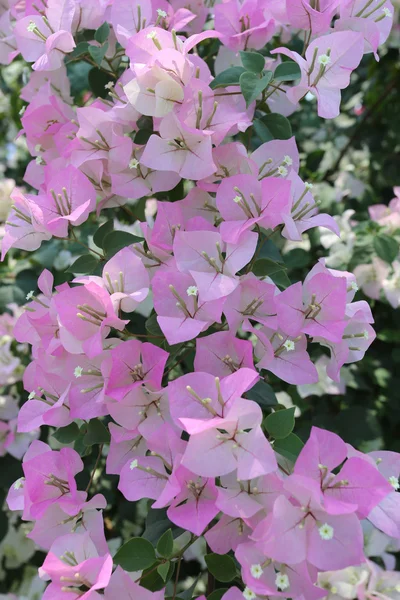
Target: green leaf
x,y
68,434
221,566
281,279
267,249
251,86
152,325
217,594
386,247
143,136
96,433
10,294
263,394
273,127
163,570
102,33
166,544
86,264
136,555
102,231
289,447
79,50
280,424
98,53
229,77
297,258
98,81
157,523
151,580
116,240
287,71
252,61
266,267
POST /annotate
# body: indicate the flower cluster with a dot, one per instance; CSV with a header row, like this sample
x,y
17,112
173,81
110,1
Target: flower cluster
x,y
194,443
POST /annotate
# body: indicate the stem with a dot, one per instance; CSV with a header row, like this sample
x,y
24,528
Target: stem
x,y
94,468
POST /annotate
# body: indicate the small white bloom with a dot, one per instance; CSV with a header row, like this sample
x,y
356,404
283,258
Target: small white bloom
x,y
161,13
237,199
133,464
386,12
109,85
78,372
32,395
30,295
394,482
38,148
152,35
324,59
133,164
248,594
287,160
19,483
326,531
365,334
289,345
31,27
39,160
282,171
354,286
192,290
309,96
308,186
282,581
256,571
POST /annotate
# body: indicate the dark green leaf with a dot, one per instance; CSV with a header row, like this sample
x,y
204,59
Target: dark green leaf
x,y
229,77
252,61
26,280
287,71
102,231
263,394
102,33
280,424
96,433
281,279
158,523
273,127
267,249
98,53
289,447
221,566
151,580
152,325
10,294
85,264
166,544
217,594
266,267
163,570
79,50
251,86
386,247
98,81
137,554
297,258
142,136
116,240
68,434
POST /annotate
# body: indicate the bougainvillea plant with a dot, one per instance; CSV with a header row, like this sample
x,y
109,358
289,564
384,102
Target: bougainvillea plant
x,y
186,133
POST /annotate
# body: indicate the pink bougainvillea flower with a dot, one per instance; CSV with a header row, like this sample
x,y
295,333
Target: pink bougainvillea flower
x,y
302,14
277,158
86,315
201,396
24,226
69,200
326,69
243,202
252,299
121,586
241,446
303,214
317,309
244,499
212,264
180,313
243,26
221,354
180,149
125,278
